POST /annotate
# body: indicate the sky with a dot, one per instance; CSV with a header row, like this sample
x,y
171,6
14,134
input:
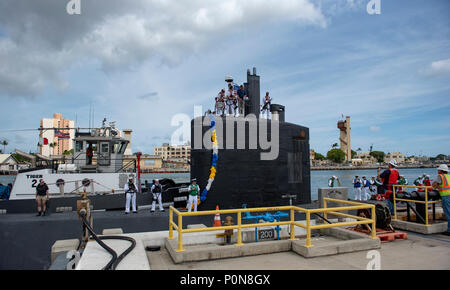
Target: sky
x,y
142,62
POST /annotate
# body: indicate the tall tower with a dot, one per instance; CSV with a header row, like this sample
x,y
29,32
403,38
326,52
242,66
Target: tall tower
x,y
127,135
345,137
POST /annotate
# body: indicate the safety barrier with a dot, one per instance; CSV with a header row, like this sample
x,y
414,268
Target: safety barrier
x,y
352,205
426,201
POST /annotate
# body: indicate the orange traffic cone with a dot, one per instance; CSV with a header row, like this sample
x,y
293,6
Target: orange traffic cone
x,y
217,221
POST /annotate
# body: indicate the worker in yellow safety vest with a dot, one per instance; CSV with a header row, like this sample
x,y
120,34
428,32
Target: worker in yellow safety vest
x,y
442,184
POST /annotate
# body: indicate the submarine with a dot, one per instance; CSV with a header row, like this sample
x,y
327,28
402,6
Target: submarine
x,y
258,161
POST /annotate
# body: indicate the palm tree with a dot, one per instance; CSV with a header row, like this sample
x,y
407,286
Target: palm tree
x,y
335,145
52,145
4,143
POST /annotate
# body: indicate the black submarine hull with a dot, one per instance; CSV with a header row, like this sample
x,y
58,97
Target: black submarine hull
x,y
242,176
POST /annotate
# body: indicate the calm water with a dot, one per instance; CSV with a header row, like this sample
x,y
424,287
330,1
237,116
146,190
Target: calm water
x,y
318,178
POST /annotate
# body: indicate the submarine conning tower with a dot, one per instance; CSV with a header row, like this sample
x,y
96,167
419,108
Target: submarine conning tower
x,y
260,162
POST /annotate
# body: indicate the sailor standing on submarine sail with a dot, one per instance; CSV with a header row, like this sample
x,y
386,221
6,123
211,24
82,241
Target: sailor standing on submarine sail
x,y
266,107
157,192
194,189
230,101
130,191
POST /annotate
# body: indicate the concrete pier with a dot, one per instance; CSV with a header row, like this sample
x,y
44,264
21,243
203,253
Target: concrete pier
x,y
335,248
207,246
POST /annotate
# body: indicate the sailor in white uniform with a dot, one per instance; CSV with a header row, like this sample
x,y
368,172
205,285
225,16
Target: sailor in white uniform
x,y
157,195
130,191
230,101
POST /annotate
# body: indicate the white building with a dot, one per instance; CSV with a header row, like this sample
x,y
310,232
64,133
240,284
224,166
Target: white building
x,y
54,139
8,163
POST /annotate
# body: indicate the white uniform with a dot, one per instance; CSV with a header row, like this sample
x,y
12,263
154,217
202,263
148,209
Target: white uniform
x,y
365,190
373,186
357,189
131,197
229,101
220,104
193,198
157,196
266,106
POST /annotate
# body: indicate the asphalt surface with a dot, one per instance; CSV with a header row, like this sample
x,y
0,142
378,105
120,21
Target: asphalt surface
x,y
26,239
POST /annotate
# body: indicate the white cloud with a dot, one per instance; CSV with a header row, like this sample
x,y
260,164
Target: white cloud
x,y
42,40
374,129
438,68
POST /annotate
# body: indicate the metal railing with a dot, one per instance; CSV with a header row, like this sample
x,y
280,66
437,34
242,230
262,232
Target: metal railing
x,y
291,222
425,201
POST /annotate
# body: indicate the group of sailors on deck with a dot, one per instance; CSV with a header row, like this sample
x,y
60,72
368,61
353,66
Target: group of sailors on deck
x,y
232,102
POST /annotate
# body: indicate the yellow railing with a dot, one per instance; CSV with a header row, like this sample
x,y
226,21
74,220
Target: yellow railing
x,y
292,223
426,201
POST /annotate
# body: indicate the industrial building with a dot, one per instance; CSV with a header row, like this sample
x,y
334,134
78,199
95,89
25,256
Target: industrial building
x,y
180,153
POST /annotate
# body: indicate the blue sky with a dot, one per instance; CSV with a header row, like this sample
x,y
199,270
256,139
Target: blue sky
x,y
142,63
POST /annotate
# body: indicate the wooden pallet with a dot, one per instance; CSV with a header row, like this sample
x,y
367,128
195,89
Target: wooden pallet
x,y
385,236
392,236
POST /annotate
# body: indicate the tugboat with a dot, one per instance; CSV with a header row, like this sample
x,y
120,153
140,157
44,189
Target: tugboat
x,y
96,167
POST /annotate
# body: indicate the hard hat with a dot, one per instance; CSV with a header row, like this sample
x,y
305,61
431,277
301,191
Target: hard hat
x,y
443,167
194,179
393,163
156,180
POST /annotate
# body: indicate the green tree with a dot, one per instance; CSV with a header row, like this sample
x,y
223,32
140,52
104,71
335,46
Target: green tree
x,y
19,158
336,155
70,152
4,143
441,157
318,156
378,155
354,154
334,146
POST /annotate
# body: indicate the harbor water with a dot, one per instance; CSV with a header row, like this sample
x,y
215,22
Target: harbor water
x,y
319,178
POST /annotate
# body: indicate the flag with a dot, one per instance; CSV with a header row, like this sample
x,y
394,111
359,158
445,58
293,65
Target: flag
x,y
62,135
